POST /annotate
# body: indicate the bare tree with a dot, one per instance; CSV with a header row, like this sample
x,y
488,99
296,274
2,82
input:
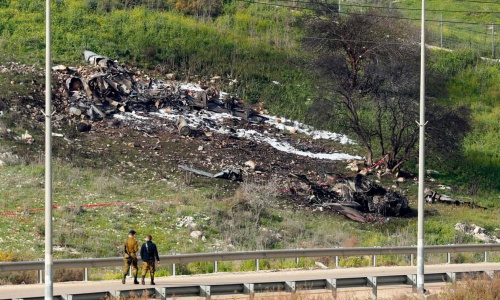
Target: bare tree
x,y
370,62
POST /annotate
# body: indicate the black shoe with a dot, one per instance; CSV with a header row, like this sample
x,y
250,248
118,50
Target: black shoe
x,y
123,280
136,282
152,283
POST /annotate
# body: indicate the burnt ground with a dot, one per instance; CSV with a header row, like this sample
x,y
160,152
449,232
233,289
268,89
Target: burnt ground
x,y
160,150
155,143
145,146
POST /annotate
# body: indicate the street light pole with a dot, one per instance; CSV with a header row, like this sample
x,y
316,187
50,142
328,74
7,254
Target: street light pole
x,y
49,289
421,165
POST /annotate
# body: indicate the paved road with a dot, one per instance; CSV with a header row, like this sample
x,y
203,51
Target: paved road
x,y
38,290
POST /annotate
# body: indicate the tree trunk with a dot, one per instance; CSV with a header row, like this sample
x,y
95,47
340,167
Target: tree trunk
x,y
369,156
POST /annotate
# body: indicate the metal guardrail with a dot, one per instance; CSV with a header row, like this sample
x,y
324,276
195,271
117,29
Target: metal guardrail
x,y
206,291
327,285
257,255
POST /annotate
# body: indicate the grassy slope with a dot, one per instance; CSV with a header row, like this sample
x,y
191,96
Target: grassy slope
x,y
248,44
475,85
20,184
465,24
479,88
97,232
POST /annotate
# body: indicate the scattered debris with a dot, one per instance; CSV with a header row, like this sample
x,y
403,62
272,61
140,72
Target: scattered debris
x,y
107,88
231,174
477,232
356,165
198,125
28,138
83,127
183,127
356,197
434,197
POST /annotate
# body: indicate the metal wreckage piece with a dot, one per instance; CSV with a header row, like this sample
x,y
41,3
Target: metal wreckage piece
x,y
434,197
231,174
355,197
113,89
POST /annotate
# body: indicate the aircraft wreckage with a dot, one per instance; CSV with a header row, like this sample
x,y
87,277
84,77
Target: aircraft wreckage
x,y
110,88
355,197
107,88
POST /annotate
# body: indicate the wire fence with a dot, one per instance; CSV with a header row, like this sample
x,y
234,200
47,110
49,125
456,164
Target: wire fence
x,y
459,28
479,37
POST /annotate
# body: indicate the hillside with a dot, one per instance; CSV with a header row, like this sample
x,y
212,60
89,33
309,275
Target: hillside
x,y
109,178
122,171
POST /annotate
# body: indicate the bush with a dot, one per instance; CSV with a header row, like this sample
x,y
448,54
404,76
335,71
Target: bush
x,y
63,275
26,277
355,261
472,288
449,64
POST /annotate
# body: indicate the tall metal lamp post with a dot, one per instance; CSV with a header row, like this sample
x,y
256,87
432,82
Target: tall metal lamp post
x,y
421,165
49,289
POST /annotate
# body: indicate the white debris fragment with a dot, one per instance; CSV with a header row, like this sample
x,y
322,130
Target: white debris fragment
x,y
199,119
191,87
28,138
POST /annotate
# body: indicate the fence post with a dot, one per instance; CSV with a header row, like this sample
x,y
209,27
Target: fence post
x,y
448,259
173,270
451,277
290,287
331,284
336,261
257,267
205,291
374,260
485,256
411,258
441,29
216,267
412,280
85,274
248,289
40,276
372,282
493,41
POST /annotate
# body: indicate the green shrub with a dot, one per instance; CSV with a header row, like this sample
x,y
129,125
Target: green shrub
x,y
250,265
449,64
355,261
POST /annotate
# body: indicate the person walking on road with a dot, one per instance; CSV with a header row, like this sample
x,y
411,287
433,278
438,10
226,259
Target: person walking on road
x,y
149,254
130,256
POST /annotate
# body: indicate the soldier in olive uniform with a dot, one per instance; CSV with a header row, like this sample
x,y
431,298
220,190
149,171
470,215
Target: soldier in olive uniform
x,y
130,256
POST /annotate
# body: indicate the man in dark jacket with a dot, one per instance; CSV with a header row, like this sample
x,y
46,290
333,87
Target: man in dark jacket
x,y
149,254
